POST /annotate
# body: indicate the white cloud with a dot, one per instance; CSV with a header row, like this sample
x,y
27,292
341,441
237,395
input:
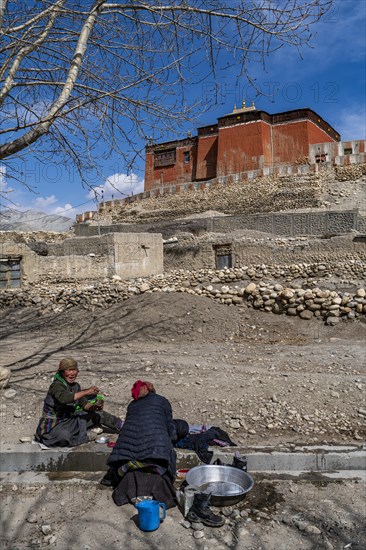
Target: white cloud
x,y
44,202
49,205
118,186
352,124
67,210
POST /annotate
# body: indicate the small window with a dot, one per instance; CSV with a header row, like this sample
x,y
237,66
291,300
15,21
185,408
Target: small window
x,y
10,273
187,157
320,158
347,151
223,256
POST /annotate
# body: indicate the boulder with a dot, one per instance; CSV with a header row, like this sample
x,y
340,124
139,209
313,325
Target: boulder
x,y
4,377
306,314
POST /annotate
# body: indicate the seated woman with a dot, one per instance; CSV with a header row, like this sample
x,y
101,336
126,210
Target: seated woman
x,y
68,414
143,460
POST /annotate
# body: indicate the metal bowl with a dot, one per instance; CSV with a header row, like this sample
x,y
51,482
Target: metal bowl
x,y
227,485
102,439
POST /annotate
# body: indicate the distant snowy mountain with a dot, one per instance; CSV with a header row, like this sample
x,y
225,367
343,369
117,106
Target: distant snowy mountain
x,y
33,220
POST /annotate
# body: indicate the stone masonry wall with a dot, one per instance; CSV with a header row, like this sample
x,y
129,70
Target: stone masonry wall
x,y
287,224
341,257
234,287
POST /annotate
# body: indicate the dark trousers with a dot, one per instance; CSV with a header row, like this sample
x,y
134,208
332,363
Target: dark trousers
x,y
101,418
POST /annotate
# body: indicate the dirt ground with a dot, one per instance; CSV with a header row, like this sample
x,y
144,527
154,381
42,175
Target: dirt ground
x,y
281,515
257,375
263,378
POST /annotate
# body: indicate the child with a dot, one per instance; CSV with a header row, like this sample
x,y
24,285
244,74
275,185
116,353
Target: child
x,y
67,412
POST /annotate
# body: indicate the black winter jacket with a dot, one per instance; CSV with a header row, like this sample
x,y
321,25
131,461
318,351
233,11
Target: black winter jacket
x,y
147,434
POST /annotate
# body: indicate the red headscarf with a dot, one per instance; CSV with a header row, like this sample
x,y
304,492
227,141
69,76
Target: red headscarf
x,y
141,388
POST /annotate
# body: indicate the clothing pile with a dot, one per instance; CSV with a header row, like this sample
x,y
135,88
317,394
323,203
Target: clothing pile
x,y
200,438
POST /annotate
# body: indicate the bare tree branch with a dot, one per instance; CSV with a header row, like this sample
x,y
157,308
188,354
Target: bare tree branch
x,y
76,73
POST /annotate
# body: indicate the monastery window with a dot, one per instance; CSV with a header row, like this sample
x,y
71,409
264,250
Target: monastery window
x,y
320,158
347,151
10,273
164,158
187,157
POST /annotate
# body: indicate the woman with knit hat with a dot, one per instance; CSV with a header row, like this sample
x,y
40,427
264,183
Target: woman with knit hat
x,y
144,456
67,411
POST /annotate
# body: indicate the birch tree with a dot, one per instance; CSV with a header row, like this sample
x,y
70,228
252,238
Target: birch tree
x,y
84,75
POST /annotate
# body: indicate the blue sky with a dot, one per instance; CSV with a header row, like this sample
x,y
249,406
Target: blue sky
x,y
330,78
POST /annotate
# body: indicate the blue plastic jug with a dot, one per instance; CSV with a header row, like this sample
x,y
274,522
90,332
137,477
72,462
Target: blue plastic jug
x,y
149,513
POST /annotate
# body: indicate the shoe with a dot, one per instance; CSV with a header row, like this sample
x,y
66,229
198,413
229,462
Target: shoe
x,y
200,512
92,436
110,479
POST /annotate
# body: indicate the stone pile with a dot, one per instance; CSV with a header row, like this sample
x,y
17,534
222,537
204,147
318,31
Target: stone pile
x,y
34,236
351,172
218,285
264,194
309,273
330,305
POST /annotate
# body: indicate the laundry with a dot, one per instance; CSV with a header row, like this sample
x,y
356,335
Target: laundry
x,y
200,442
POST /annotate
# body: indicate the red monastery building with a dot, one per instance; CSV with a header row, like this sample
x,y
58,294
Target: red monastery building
x,y
243,141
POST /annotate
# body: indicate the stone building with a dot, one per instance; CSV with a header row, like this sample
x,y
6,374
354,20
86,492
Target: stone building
x,y
245,140
128,255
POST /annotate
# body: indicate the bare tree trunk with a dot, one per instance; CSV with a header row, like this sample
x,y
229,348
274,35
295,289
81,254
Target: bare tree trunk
x,y
2,11
42,128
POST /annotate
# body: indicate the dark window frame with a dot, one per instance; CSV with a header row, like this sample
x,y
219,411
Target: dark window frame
x,y
223,256
167,157
10,272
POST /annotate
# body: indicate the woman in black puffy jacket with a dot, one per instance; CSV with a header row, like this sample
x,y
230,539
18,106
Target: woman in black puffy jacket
x,y
143,461
148,433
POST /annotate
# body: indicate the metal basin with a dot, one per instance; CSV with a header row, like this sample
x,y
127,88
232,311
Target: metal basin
x,y
227,485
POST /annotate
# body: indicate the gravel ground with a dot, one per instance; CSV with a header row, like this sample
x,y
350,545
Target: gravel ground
x,y
264,378
256,375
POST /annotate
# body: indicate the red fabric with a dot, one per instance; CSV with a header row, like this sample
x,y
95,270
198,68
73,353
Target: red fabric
x,y
141,388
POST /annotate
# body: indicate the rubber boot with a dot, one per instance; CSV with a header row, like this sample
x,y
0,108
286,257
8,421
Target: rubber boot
x,y
240,462
200,512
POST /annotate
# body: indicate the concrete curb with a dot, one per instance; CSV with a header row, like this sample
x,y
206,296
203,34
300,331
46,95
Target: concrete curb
x,y
268,461
76,479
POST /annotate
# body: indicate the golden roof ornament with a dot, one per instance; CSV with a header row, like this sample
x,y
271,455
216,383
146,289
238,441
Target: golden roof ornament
x,y
244,108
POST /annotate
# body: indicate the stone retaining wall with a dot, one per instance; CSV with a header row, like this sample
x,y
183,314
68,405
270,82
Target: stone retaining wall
x,y
322,156
291,224
341,257
288,224
274,297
